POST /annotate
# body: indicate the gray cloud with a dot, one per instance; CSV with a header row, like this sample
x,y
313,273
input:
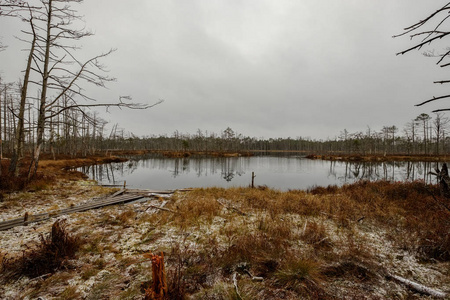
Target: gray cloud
x,y
264,68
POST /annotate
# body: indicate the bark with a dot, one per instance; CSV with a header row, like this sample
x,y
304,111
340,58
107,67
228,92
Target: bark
x,y
20,131
45,75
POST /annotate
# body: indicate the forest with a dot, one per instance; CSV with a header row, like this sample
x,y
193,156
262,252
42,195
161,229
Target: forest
x,y
77,132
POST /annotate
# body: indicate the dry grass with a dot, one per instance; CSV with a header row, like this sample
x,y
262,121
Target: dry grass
x,y
301,275
326,224
325,243
48,256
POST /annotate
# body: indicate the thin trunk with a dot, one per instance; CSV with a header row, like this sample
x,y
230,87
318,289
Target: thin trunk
x,y
4,121
20,132
1,140
52,134
41,117
1,144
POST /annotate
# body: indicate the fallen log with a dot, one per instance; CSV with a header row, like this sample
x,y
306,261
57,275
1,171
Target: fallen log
x,y
418,287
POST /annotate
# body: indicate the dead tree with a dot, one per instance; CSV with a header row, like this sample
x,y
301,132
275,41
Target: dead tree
x,y
60,73
444,187
444,180
431,30
19,139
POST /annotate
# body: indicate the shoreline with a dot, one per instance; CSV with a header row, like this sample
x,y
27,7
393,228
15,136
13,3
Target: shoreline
x,y
380,158
116,154
343,239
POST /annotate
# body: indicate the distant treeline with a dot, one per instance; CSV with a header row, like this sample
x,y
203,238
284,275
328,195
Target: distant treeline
x,y
424,135
415,139
85,135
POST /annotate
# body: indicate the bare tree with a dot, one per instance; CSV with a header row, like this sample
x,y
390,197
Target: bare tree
x,y
19,139
424,119
440,125
431,30
59,72
410,132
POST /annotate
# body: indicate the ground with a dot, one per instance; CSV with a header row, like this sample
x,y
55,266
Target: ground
x,y
327,243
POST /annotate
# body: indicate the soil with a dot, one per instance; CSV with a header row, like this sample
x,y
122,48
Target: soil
x,y
208,237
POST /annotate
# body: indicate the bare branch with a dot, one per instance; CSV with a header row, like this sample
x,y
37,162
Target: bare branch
x,y
119,104
422,22
420,45
431,36
431,100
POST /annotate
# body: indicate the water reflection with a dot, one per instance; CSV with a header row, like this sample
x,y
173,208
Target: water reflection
x,y
287,172
372,171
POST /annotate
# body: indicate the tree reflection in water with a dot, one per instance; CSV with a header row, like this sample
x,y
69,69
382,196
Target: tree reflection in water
x,y
390,171
281,172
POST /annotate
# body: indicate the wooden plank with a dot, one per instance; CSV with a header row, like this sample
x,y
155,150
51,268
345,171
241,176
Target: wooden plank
x,y
83,207
22,219
121,196
151,191
118,193
106,202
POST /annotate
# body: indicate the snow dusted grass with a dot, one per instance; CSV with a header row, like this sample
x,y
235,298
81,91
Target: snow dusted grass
x,y
327,243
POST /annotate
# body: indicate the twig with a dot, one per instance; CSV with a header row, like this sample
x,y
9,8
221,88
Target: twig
x,y
322,240
42,277
161,208
236,286
304,227
254,278
232,208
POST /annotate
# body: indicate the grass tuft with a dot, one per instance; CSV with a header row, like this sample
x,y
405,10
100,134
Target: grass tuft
x,y
301,275
48,256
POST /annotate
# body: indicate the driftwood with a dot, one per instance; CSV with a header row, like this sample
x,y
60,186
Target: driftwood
x,y
418,287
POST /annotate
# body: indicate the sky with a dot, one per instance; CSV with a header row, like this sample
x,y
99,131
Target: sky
x,y
265,68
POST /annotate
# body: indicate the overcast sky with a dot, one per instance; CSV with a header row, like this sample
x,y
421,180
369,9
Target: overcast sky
x,y
265,68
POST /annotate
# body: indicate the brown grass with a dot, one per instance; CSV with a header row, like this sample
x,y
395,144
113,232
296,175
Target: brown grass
x,y
301,275
48,172
280,228
318,244
408,207
48,256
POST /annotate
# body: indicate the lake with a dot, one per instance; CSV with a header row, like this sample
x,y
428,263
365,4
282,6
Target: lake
x,y
280,172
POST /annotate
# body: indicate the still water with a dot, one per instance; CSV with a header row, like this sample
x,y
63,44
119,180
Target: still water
x,y
279,172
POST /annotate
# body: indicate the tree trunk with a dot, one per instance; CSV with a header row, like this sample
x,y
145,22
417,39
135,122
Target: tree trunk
x,y
20,132
41,117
